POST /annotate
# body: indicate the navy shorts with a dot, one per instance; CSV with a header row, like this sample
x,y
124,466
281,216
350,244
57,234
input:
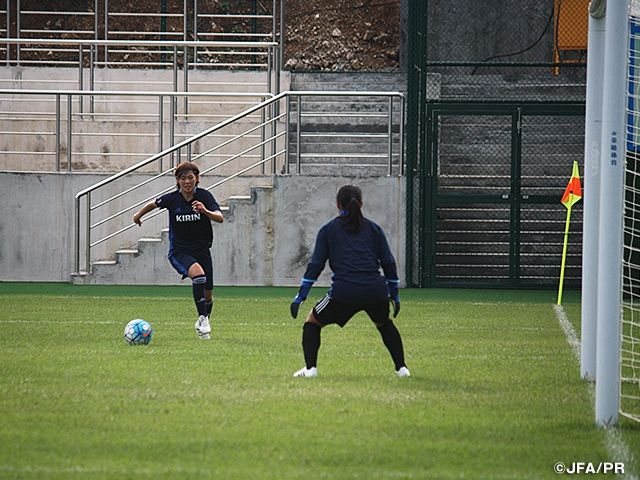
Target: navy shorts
x,y
182,262
328,311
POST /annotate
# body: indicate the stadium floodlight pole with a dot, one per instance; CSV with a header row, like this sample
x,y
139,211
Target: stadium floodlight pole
x,y
591,174
611,199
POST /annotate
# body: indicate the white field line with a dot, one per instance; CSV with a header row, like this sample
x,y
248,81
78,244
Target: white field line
x,y
615,443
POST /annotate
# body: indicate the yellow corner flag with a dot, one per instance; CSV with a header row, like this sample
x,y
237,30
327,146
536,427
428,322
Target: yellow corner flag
x,y
572,194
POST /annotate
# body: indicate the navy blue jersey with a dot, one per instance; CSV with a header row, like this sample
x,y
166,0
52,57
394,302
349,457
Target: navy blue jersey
x,y
355,260
189,231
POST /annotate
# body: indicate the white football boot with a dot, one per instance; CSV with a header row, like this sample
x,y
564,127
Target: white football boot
x,y
203,327
306,372
403,372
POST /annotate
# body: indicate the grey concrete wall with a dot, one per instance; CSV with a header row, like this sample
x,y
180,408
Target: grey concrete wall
x,y
37,221
267,238
304,204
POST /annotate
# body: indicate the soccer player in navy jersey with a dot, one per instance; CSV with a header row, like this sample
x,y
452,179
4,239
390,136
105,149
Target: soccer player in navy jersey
x,y
356,249
191,211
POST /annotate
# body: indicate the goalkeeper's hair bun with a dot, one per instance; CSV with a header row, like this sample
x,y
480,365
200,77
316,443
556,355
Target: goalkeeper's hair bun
x,y
350,199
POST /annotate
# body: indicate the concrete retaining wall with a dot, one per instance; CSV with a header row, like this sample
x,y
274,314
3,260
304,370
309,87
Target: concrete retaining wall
x,y
267,237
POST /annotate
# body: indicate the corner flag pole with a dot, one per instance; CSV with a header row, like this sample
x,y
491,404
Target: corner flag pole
x,y
572,194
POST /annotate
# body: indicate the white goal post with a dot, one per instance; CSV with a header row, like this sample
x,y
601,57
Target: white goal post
x,y
611,249
630,324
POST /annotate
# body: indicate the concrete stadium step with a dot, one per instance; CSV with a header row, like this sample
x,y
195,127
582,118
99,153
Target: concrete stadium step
x,y
349,81
246,224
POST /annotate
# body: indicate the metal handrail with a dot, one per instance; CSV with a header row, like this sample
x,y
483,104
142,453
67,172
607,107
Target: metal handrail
x,y
267,105
266,49
355,93
70,94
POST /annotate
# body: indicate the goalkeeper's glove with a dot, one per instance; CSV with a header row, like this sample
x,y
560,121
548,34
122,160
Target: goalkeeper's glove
x,y
300,297
393,296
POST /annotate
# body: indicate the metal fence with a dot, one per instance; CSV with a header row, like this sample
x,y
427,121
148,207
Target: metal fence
x,y
481,57
141,33
253,142
104,131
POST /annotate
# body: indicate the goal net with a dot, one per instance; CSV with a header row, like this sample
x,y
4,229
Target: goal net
x,y
630,328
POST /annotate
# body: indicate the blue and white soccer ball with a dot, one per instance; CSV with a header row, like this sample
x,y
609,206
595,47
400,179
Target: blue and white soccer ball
x,y
138,332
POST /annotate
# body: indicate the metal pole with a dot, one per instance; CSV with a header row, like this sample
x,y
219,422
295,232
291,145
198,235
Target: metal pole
x,y
69,128
87,237
287,133
8,33
172,112
274,109
81,77
281,39
57,132
262,136
195,30
17,31
106,30
92,78
186,60
390,135
160,129
611,200
401,154
591,212
269,67
76,263
298,128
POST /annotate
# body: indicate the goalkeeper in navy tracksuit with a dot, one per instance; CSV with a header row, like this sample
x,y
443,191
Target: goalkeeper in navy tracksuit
x,y
191,211
356,249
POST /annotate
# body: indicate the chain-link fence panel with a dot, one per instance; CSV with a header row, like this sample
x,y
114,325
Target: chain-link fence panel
x,y
479,56
529,50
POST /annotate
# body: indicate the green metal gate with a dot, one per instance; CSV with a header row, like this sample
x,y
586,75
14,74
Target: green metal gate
x,y
490,185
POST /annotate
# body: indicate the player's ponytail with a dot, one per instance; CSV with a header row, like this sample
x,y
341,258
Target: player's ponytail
x,y
350,200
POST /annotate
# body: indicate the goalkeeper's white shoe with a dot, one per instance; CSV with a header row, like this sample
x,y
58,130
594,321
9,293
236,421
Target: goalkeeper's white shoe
x,y
203,327
403,372
306,372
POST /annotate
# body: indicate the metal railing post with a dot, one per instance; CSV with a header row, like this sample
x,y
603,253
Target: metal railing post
x,y
8,33
80,69
262,137
81,76
298,128
87,235
390,134
92,78
69,129
160,129
401,147
57,132
274,114
17,31
173,113
287,149
76,253
106,31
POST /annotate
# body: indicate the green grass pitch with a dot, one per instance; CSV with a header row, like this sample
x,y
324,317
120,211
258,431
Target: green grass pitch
x,y
495,391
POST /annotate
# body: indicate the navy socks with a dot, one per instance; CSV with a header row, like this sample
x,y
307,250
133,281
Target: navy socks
x,y
198,286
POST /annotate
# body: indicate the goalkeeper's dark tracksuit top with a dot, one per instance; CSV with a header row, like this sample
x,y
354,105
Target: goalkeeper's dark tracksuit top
x,y
355,260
